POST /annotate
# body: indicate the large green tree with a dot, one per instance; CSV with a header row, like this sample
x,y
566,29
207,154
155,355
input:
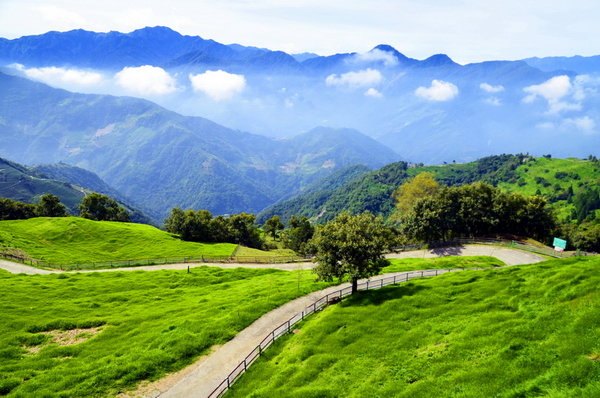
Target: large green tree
x,y
351,246
100,207
50,206
272,226
299,232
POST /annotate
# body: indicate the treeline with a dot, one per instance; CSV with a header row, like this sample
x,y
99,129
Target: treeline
x,y
202,226
94,206
477,209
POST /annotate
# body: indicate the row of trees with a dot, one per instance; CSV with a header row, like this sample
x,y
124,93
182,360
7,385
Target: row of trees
x,y
94,206
201,226
476,209
49,206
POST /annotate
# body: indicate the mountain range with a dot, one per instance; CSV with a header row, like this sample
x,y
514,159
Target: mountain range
x,y
430,111
162,159
172,120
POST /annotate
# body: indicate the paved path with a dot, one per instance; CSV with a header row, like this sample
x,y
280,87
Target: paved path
x,y
201,378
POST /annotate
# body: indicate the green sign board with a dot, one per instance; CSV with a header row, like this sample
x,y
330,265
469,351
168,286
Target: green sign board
x,y
560,243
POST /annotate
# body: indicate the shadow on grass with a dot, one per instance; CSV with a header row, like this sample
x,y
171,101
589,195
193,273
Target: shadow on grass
x,y
379,296
448,251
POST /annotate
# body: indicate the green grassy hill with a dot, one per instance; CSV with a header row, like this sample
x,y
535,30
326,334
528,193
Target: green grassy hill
x,y
72,239
101,333
513,173
517,332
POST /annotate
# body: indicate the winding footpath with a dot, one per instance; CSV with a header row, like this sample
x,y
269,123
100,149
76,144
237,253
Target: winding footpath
x,y
201,378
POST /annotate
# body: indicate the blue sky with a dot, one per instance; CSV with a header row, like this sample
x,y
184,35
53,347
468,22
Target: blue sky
x,y
466,30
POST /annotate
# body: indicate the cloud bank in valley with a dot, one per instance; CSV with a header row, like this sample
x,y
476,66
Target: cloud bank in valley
x,y
438,91
61,76
146,80
363,78
218,85
376,55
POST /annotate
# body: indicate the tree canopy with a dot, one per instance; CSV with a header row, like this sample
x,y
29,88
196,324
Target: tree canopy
x,y
477,209
100,207
50,206
351,246
201,226
421,186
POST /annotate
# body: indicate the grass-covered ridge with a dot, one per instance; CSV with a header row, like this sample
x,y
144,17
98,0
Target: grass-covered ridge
x,y
138,325
513,332
72,239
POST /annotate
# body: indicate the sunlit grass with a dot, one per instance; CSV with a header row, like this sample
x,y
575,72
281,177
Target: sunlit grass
x,y
515,332
413,264
150,323
71,239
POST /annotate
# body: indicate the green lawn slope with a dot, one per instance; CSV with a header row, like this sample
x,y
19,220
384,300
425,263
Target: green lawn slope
x,y
515,332
69,240
97,334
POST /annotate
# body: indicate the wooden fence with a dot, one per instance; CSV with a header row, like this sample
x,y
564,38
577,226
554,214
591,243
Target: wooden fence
x,y
318,305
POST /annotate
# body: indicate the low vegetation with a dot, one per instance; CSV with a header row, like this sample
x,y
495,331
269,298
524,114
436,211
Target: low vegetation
x,y
68,240
513,332
95,334
451,262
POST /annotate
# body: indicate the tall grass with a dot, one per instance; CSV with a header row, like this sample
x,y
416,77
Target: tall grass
x,y
150,323
72,239
516,332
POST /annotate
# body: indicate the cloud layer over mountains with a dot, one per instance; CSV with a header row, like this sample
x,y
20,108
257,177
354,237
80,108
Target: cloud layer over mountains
x,y
429,111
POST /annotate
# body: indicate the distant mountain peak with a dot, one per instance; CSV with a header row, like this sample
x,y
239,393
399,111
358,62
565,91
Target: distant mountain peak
x,y
437,60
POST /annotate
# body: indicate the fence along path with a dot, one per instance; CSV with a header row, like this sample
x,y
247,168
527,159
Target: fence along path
x,y
213,376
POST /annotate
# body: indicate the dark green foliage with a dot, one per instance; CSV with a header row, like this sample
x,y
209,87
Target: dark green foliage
x,y
100,207
477,209
272,226
201,226
369,192
50,206
13,210
585,204
351,246
298,233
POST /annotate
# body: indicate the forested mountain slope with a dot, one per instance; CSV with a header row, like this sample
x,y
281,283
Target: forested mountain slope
x,y
162,159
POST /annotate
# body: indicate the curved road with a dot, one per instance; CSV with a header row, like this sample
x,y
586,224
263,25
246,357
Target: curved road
x,y
201,378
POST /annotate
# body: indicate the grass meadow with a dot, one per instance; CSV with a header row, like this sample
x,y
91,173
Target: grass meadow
x,y
526,331
95,334
68,240
414,264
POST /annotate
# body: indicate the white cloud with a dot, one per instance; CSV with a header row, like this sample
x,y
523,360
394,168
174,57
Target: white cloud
x,y
373,93
218,85
491,89
439,91
553,91
375,55
362,78
493,101
585,124
61,76
146,80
